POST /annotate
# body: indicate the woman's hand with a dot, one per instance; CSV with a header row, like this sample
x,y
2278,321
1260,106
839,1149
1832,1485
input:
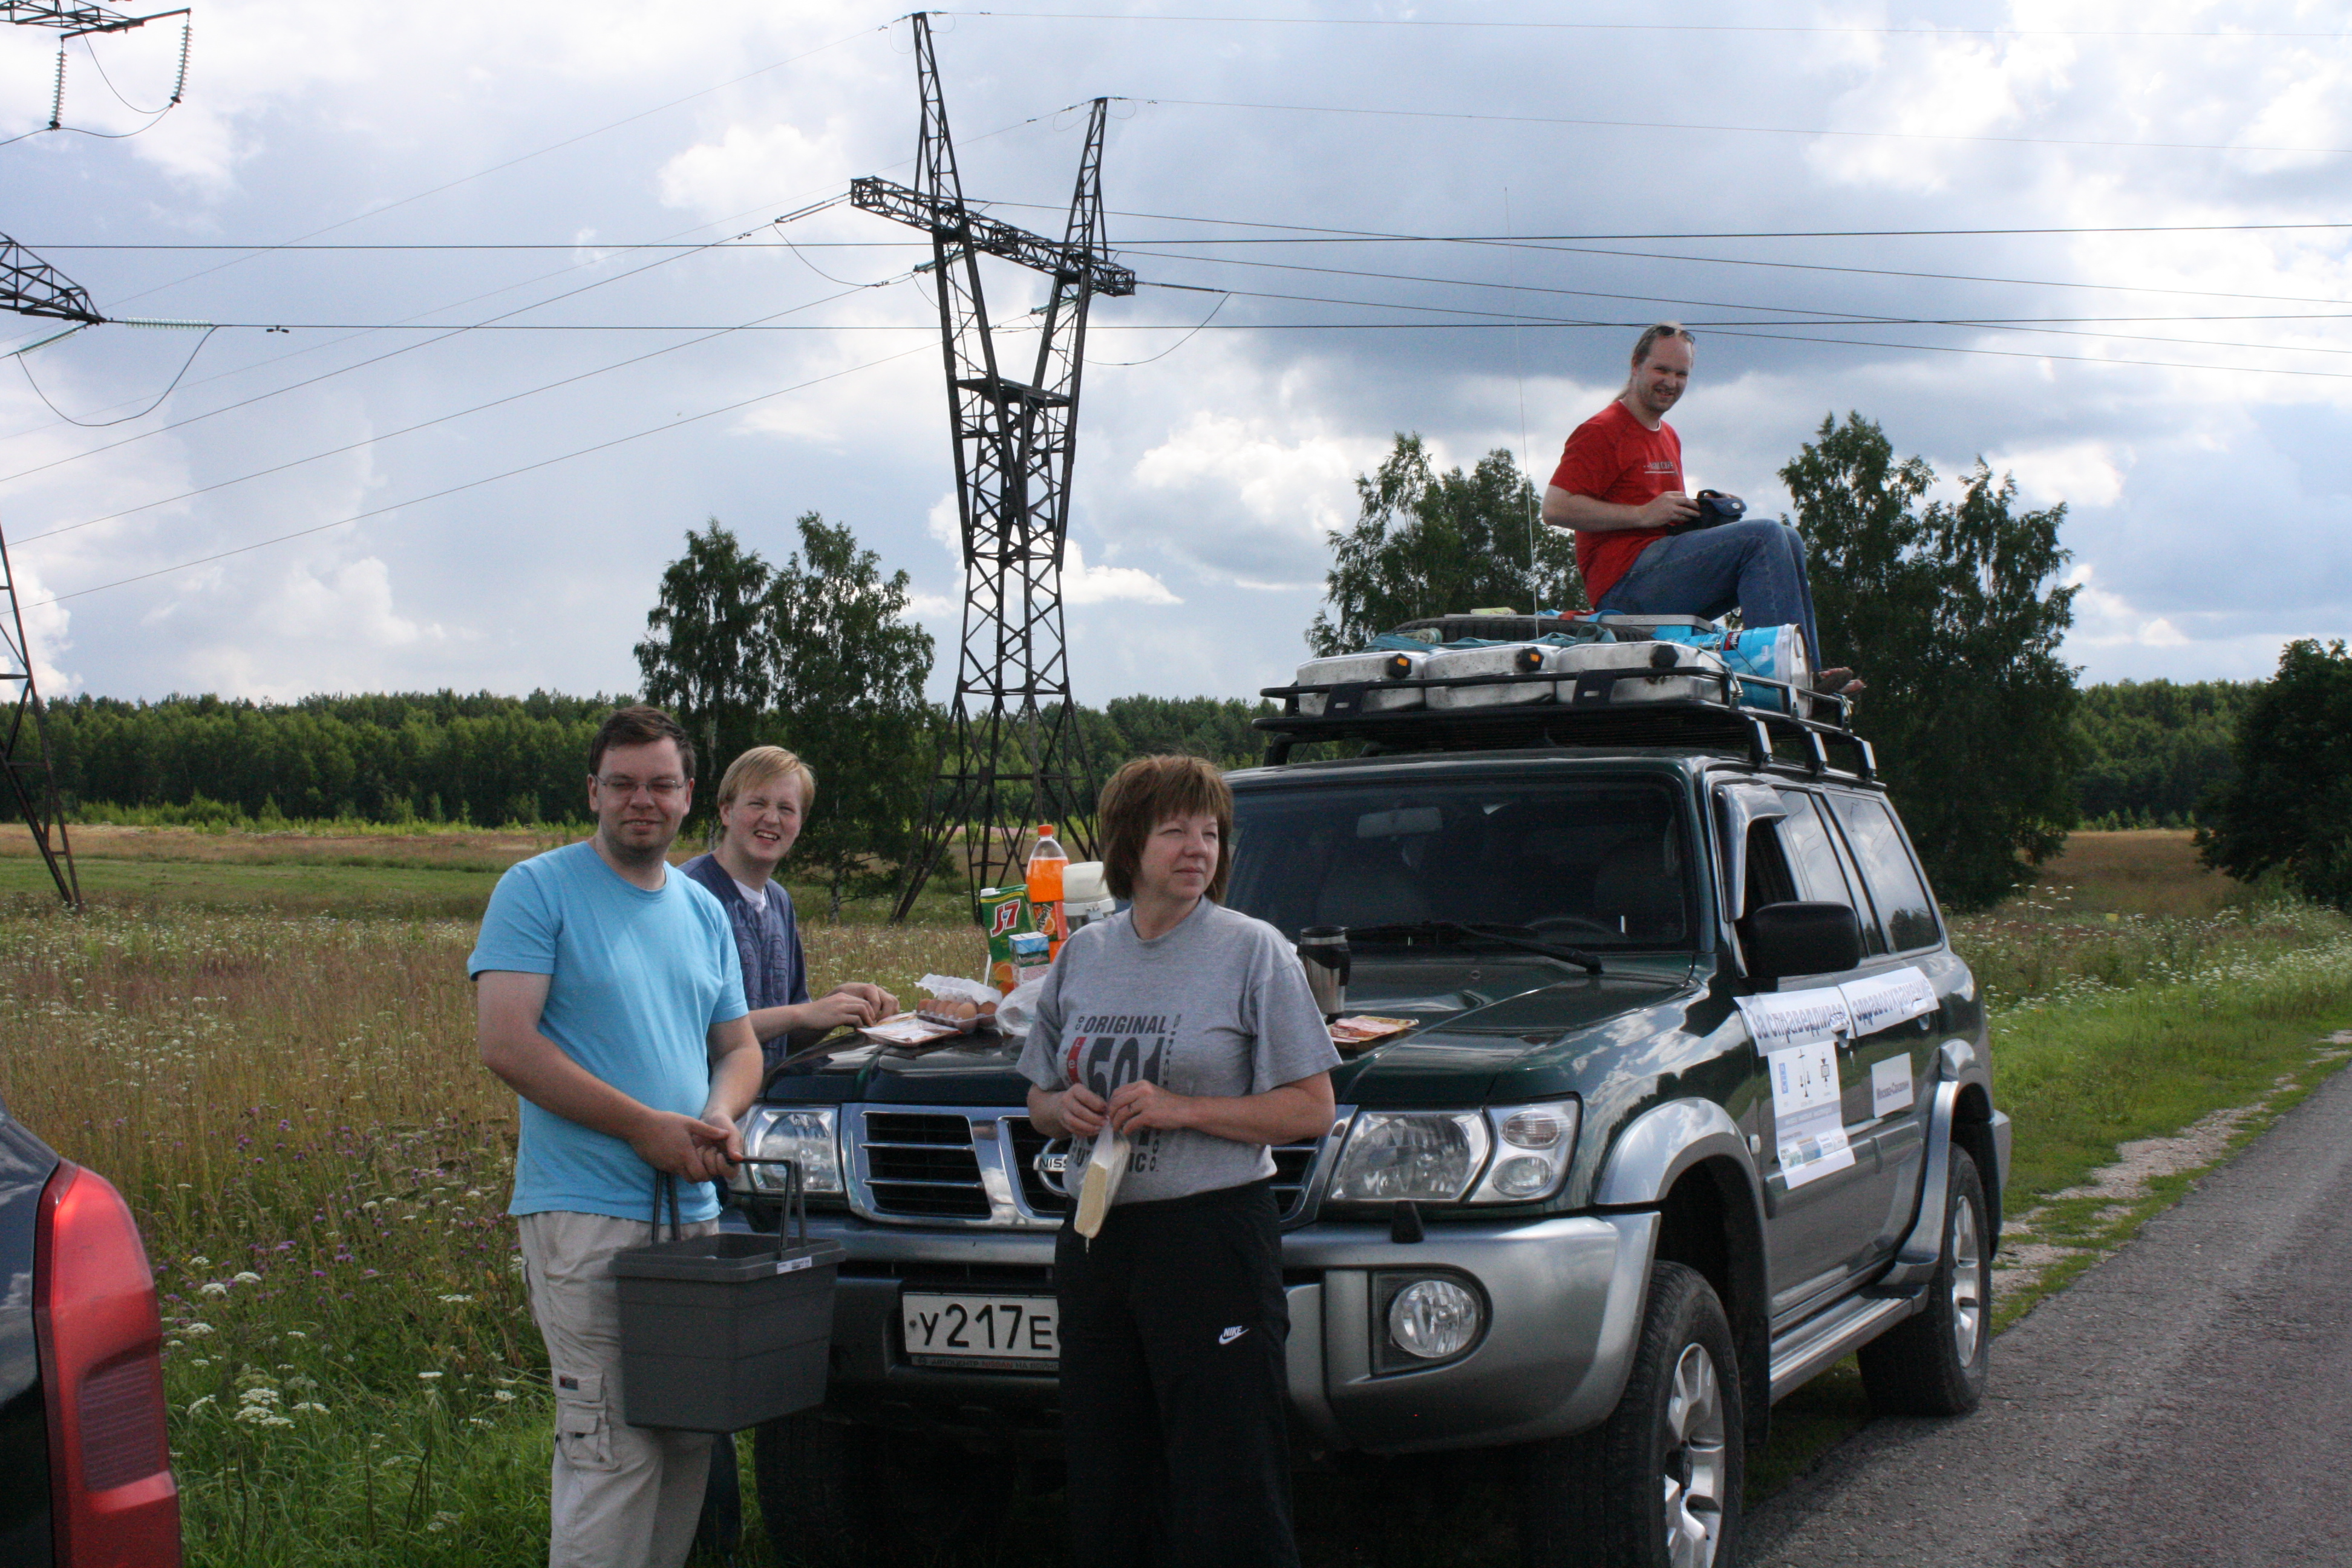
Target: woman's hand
x,y
1143,1104
1077,1111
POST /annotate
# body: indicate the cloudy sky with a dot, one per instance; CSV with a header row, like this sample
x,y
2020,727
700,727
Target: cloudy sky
x,y
2164,356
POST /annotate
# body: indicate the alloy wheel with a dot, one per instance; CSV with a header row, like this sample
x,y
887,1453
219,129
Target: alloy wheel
x,y
1968,1284
1694,1461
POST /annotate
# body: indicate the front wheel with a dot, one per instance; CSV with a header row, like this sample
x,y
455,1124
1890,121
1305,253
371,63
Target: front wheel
x,y
1934,1363
1658,1484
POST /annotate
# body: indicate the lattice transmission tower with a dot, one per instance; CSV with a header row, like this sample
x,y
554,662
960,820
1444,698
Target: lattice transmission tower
x,y
31,287
1012,721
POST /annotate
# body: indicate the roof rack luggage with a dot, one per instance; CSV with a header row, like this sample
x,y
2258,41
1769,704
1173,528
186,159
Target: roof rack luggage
x,y
1629,692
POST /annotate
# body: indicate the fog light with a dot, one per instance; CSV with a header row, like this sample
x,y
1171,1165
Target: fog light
x,y
1433,1319
1522,1176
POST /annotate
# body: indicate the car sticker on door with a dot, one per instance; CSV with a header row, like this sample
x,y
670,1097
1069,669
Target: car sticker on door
x,y
1881,1001
1890,1086
1796,1031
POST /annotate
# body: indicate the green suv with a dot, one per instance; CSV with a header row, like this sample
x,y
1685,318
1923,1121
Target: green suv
x,y
1695,1100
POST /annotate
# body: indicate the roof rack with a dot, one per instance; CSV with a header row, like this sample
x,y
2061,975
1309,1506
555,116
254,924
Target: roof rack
x,y
1589,712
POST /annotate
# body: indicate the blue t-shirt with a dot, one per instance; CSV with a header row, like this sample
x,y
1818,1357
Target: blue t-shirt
x,y
636,981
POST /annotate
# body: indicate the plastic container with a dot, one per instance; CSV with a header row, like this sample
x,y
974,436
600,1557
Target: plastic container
x,y
1048,861
726,1332
1363,668
1086,895
1769,653
1502,660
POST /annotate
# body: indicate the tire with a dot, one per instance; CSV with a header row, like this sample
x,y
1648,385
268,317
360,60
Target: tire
x,y
836,1494
1934,1363
1658,1484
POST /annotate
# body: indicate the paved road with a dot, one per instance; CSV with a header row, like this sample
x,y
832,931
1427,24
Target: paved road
x,y
2187,1404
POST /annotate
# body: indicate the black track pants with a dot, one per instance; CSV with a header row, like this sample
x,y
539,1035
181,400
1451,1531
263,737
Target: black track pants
x,y
1173,1386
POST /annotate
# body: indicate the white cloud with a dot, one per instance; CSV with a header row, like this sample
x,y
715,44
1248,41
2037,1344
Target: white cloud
x,y
1085,584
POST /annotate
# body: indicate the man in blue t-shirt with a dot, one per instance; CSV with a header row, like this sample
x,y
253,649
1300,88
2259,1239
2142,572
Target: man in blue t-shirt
x,y
610,996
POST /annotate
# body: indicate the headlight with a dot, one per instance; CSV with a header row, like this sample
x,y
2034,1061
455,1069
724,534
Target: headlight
x,y
1433,1319
1533,1144
1427,1156
808,1136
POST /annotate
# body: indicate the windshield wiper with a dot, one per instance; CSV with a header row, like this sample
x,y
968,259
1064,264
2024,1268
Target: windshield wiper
x,y
1517,937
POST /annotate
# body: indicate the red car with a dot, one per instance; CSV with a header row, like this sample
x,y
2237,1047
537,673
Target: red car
x,y
85,1465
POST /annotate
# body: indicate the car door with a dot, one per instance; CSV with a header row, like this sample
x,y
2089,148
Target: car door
x,y
1822,1214
1898,998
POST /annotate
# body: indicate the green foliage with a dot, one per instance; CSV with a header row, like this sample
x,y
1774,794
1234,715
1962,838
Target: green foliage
x,y
710,649
2290,807
2153,750
398,757
848,692
1427,544
1950,612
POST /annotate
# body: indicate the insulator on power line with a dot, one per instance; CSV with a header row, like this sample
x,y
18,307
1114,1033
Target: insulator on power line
x,y
180,82
58,97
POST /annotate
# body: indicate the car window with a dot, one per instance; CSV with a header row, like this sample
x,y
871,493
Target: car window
x,y
1820,871
1595,863
1887,869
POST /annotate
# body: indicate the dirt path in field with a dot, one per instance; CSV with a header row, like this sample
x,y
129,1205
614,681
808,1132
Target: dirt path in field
x,y
2180,1405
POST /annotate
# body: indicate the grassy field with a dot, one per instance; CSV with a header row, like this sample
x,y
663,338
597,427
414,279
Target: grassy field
x,y
265,1040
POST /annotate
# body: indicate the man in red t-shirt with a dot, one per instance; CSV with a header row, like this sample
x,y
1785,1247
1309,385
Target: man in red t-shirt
x,y
1620,487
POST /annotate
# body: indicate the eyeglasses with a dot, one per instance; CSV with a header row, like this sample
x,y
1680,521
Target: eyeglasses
x,y
660,789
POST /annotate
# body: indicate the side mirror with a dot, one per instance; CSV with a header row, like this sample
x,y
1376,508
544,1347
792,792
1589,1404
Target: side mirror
x,y
1801,939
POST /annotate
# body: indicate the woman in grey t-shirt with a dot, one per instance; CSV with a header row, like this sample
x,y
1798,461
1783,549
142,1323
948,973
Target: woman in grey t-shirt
x,y
1190,1030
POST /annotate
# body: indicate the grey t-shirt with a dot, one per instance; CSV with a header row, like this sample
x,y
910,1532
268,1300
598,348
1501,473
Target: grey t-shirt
x,y
1218,1006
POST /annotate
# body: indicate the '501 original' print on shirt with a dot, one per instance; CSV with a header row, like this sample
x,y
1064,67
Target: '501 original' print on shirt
x,y
1107,1051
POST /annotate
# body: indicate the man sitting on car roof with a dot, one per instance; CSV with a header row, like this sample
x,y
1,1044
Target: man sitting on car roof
x,y
1647,549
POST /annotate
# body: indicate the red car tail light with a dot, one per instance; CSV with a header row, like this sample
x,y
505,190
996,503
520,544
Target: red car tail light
x,y
115,1504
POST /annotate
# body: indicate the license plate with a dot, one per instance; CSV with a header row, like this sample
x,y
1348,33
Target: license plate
x,y
1001,1333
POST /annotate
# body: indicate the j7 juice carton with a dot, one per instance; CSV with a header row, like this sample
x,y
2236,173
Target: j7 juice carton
x,y
1005,913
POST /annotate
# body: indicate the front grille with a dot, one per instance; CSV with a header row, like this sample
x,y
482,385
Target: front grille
x,y
921,1165
1027,1144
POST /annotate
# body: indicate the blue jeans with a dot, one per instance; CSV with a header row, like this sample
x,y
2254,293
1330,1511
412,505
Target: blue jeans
x,y
1756,564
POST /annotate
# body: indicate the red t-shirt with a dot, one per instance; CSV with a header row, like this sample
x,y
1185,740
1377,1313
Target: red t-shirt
x,y
1613,457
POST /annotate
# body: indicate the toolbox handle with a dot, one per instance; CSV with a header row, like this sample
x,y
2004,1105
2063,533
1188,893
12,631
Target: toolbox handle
x,y
788,1233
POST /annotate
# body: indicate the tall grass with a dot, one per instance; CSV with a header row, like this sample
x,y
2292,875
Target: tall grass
x,y
294,1108
320,1165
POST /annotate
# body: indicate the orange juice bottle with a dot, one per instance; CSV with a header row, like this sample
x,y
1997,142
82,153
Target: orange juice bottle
x,y
1046,863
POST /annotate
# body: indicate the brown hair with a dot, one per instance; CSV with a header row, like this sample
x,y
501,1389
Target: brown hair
x,y
754,768
640,725
1652,336
1146,792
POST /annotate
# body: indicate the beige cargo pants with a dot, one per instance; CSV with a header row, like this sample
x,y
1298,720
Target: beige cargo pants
x,y
621,1496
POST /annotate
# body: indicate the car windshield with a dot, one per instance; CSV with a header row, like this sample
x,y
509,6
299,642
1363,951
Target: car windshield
x,y
1592,864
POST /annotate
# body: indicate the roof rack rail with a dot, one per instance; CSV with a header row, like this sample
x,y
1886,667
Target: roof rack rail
x,y
1588,712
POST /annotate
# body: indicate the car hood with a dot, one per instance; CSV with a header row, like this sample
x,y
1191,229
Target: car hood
x,y
1484,1024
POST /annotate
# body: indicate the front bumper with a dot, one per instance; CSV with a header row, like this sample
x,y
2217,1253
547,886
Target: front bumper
x,y
1563,1298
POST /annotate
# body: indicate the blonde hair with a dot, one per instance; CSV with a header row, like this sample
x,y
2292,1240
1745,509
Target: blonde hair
x,y
1146,792
754,768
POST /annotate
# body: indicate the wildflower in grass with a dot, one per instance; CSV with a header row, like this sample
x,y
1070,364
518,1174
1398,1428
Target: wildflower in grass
x,y
504,1396
245,1277
198,1331
309,1406
199,1262
456,1300
199,1402
212,1288
428,1376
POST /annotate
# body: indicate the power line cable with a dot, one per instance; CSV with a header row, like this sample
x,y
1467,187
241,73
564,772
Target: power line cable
x,y
444,418
1308,235
799,213
1739,129
410,348
25,364
1648,26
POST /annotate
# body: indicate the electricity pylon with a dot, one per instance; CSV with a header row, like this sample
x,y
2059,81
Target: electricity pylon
x,y
1011,719
31,287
